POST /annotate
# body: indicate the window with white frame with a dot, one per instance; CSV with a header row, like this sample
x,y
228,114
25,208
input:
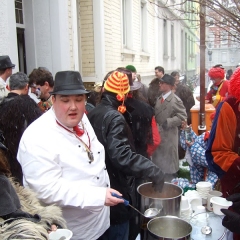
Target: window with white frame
x,y
165,38
127,24
182,49
19,11
211,39
233,42
224,57
224,38
191,47
144,34
211,21
172,41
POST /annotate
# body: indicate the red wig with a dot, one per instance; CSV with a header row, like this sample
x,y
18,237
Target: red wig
x,y
216,72
234,84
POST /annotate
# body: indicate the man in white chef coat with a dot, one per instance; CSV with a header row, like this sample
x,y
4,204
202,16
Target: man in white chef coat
x,y
64,163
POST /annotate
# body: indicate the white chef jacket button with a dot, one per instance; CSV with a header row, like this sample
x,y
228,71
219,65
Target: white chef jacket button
x,y
107,185
79,145
98,152
97,177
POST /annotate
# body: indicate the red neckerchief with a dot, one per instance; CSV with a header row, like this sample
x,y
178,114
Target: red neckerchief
x,y
88,148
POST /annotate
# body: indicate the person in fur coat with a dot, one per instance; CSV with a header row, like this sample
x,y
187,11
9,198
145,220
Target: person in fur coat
x,y
153,91
21,214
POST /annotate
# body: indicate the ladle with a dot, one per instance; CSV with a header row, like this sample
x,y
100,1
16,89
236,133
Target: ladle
x,y
149,213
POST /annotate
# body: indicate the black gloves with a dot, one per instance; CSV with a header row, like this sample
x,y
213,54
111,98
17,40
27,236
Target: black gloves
x,y
231,221
235,198
158,181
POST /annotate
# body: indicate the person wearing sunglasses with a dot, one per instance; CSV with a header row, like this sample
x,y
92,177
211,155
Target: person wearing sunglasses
x,y
64,163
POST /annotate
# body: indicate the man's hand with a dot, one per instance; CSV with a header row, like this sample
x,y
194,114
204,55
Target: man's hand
x,y
110,200
184,125
214,98
158,181
189,144
231,221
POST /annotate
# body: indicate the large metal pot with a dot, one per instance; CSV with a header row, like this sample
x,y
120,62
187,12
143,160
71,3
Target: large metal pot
x,y
169,228
168,200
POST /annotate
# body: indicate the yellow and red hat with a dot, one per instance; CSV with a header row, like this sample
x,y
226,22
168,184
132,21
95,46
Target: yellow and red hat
x,y
118,83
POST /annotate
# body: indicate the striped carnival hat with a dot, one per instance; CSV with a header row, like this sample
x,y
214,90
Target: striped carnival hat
x,y
118,83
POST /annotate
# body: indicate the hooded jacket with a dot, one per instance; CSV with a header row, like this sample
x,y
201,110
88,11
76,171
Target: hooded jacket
x,y
21,227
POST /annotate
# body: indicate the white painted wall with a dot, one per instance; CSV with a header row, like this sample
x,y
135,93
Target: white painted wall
x,y
8,37
47,34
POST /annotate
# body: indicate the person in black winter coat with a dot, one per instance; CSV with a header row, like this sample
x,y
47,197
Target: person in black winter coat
x,y
122,162
17,112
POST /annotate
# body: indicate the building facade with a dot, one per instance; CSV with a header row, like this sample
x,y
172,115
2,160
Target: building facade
x,y
222,47
96,36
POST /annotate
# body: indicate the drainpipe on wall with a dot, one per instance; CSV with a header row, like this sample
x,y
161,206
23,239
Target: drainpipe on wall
x,y
202,125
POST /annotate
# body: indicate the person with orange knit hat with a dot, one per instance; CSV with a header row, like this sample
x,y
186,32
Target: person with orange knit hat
x,y
122,161
223,152
219,89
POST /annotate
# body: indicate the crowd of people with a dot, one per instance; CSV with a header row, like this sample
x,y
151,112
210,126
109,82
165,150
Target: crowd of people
x,y
67,151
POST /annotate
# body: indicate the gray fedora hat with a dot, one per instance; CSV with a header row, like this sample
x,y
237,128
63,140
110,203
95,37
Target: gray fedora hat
x,y
5,62
68,83
168,79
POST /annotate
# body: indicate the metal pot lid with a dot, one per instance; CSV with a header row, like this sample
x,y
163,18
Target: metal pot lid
x,y
207,225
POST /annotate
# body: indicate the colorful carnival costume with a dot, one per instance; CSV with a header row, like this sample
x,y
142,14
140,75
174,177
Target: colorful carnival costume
x,y
219,89
223,146
222,152
199,163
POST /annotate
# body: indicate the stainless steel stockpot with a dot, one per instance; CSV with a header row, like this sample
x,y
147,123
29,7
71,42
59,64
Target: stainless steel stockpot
x,y
168,200
169,228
